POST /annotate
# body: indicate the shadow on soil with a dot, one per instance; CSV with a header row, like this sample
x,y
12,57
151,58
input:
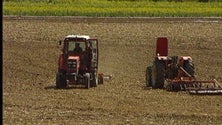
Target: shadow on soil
x,y
67,88
146,88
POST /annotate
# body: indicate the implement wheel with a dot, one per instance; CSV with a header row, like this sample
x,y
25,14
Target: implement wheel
x,y
100,78
189,67
158,76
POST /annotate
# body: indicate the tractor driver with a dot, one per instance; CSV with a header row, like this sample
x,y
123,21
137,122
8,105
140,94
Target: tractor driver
x,y
77,48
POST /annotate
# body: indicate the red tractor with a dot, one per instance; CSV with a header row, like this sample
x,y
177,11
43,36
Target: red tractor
x,y
78,63
176,73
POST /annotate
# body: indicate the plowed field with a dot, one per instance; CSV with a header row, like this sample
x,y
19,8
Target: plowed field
x,y
30,55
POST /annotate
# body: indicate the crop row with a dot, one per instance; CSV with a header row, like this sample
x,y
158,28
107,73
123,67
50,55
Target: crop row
x,y
114,8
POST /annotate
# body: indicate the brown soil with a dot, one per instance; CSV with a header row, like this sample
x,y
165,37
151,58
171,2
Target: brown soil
x,y
30,55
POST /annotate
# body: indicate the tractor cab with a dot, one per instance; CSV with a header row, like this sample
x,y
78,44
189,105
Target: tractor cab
x,y
83,49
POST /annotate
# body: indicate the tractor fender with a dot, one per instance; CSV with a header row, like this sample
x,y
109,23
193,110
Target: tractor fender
x,y
61,63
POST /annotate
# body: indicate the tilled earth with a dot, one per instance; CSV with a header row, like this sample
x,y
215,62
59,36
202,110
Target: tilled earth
x,y
126,48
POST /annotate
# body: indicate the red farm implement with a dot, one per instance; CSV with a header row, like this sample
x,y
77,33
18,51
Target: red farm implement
x,y
177,73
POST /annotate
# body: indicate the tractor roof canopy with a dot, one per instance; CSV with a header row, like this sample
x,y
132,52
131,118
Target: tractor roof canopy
x,y
78,37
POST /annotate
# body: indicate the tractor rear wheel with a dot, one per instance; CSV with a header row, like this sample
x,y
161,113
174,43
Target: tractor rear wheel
x,y
60,81
148,76
86,79
189,67
158,76
94,80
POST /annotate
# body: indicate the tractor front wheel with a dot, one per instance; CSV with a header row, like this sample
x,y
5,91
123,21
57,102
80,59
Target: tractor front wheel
x,y
158,76
60,81
149,76
86,79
